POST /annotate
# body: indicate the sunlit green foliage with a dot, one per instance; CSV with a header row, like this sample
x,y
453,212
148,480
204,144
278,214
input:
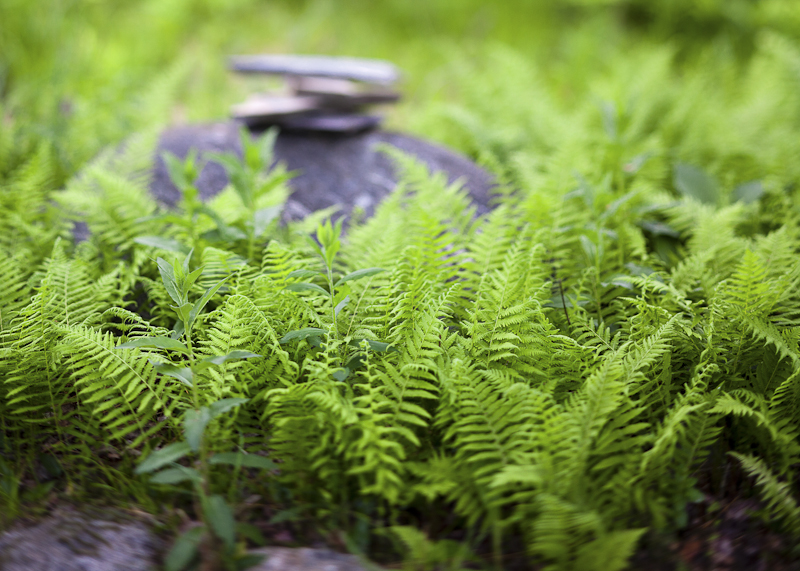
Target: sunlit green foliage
x,y
573,369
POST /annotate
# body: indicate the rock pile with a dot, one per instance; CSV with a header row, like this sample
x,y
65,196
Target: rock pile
x,y
320,93
325,138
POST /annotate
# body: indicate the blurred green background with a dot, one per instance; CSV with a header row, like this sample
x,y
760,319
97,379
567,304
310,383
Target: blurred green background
x,y
76,76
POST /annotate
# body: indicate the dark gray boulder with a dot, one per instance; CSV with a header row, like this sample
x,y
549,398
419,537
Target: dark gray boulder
x,y
334,169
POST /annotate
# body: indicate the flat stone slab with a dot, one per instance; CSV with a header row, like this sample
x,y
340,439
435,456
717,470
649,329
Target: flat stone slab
x,y
343,92
333,169
332,122
266,107
359,69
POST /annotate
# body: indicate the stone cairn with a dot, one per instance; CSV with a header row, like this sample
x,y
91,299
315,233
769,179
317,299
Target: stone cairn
x,y
328,136
320,93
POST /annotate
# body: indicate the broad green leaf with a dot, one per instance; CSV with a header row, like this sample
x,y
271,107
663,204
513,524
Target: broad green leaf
x,y
748,192
696,183
637,270
176,475
184,550
224,405
220,516
178,330
186,260
224,234
244,460
659,228
190,279
304,274
303,286
357,361
315,246
300,334
167,244
168,279
381,347
330,252
201,303
377,346
359,274
184,312
341,374
162,457
263,217
183,374
341,305
194,424
155,342
219,360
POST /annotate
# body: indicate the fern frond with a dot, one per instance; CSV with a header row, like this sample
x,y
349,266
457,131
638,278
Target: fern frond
x,y
120,387
778,495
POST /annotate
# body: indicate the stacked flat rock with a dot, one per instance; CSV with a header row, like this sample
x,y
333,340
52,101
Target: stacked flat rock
x,y
332,149
328,94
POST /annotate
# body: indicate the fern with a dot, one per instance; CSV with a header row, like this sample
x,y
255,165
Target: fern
x,y
778,494
548,378
122,390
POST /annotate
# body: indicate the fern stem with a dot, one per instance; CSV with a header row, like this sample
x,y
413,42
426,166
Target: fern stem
x,y
564,301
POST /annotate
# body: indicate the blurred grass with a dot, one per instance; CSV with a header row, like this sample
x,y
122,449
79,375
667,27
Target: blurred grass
x,y
80,75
